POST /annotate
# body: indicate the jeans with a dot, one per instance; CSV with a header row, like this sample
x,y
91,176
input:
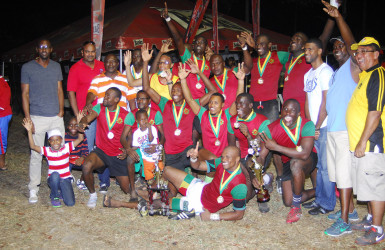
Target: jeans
x,y
325,192
104,177
57,184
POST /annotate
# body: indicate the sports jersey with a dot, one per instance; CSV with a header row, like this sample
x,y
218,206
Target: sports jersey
x,y
108,138
227,87
140,139
161,89
368,96
265,76
81,150
80,77
176,141
235,192
296,68
101,83
194,83
5,98
277,131
208,127
255,123
154,118
58,161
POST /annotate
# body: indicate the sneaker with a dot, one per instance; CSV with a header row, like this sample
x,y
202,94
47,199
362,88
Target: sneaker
x,y
370,237
33,196
363,225
142,208
263,207
339,228
103,189
81,185
92,201
319,210
56,202
278,182
353,216
269,185
294,215
311,204
183,215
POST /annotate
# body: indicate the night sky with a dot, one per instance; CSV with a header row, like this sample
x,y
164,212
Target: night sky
x,y
22,21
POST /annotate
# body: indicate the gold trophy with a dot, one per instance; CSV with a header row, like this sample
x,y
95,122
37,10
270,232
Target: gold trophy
x,y
262,193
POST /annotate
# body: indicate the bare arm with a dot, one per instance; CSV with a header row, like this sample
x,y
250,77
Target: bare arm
x,y
155,97
60,95
164,49
325,36
229,216
28,125
25,99
183,73
372,121
248,61
240,75
162,139
89,99
194,161
126,141
322,114
73,103
307,114
130,78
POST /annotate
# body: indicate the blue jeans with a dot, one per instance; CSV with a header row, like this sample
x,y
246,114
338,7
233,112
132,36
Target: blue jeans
x,y
325,193
57,184
104,177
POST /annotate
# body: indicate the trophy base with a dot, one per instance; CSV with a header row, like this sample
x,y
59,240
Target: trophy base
x,y
263,196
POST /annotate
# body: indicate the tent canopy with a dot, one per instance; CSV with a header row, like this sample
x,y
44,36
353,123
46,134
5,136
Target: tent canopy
x,y
130,24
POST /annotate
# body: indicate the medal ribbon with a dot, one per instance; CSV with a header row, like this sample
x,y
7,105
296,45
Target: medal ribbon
x,y
291,65
216,127
109,123
261,70
223,185
294,138
223,84
136,76
178,116
247,119
203,64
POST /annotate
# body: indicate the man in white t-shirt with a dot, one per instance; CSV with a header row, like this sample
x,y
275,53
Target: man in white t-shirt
x,y
316,87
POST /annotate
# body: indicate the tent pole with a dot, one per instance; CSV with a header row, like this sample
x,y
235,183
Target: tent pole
x,y
97,22
215,25
256,15
195,20
121,60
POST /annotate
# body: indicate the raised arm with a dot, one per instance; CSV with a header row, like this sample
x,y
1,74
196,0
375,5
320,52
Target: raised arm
x,y
164,49
183,73
28,125
240,75
155,97
130,78
246,40
325,36
80,138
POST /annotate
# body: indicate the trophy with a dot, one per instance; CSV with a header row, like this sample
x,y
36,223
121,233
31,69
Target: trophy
x,y
158,184
262,193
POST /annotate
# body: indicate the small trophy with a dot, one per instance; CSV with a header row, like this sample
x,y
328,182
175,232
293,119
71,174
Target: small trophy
x,y
262,193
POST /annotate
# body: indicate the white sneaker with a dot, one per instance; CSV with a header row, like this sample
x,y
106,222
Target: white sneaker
x,y
33,196
92,201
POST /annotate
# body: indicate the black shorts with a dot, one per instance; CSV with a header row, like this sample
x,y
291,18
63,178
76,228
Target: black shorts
x,y
286,176
179,161
116,166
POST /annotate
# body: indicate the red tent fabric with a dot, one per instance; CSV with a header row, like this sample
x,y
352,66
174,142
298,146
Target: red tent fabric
x,y
132,23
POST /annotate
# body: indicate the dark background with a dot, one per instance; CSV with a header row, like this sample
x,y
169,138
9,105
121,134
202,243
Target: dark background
x,y
25,21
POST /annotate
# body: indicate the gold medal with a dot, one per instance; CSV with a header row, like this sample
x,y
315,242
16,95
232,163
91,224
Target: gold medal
x,y
220,199
260,81
110,135
177,132
217,143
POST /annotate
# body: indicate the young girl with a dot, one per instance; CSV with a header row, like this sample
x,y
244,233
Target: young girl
x,y
59,176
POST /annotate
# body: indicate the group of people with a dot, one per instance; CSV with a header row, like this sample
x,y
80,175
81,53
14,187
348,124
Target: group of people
x,y
330,126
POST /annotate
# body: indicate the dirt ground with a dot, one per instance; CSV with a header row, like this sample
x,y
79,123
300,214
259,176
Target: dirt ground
x,y
40,226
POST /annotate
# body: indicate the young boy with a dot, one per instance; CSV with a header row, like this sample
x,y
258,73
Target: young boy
x,y
59,176
80,152
142,138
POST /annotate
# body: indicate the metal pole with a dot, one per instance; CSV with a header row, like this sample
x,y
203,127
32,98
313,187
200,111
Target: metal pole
x,y
215,25
97,22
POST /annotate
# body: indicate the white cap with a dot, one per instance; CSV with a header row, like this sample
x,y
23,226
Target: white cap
x,y
54,132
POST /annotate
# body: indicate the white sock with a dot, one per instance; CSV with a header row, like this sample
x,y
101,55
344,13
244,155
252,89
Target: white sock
x,y
369,217
380,229
94,195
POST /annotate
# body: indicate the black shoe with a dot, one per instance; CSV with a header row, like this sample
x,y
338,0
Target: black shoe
x,y
311,204
183,215
319,210
142,208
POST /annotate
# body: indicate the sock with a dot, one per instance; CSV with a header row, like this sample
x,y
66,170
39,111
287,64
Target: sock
x,y
369,217
93,195
296,200
380,229
266,179
180,204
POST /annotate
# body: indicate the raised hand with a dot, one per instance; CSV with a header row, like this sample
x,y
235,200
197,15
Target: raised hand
x,y
193,152
269,143
194,68
241,72
146,56
182,71
331,10
127,58
208,53
164,12
248,38
166,46
27,124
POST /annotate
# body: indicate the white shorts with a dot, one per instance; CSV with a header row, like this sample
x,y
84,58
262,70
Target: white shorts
x,y
193,195
339,160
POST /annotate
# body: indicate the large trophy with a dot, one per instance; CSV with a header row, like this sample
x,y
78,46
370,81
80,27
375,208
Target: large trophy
x,y
160,185
262,193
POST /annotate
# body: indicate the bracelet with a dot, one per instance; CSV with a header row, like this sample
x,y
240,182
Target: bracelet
x,y
170,83
168,19
244,48
214,216
193,159
317,129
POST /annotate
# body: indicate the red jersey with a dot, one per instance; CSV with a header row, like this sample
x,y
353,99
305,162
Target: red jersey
x,y
255,123
79,80
154,118
108,136
178,138
5,98
265,87
58,161
228,87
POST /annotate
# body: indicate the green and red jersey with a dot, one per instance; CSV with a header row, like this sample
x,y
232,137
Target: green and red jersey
x,y
227,87
154,118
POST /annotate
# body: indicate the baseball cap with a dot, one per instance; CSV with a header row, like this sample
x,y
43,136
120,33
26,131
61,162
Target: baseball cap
x,y
365,42
338,38
54,132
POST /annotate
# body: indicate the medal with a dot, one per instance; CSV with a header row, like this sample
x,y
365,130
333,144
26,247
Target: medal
x,y
110,123
202,68
178,117
291,65
236,124
216,127
286,78
198,85
260,81
220,199
110,135
177,132
223,184
293,137
298,148
217,143
224,96
261,69
222,85
250,151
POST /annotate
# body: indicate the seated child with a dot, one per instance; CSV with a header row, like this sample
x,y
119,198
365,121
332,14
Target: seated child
x,y
145,136
80,152
59,176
